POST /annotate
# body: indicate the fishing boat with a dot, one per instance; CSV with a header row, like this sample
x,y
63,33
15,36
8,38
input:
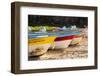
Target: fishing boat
x,y
62,42
39,44
76,39
64,39
75,36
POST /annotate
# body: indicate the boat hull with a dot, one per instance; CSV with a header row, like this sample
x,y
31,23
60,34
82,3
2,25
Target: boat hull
x,y
62,42
37,50
39,46
76,40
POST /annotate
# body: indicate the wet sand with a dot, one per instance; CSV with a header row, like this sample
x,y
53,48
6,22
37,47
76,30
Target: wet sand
x,y
72,52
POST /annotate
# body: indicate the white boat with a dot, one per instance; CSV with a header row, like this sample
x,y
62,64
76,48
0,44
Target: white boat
x,y
63,42
76,40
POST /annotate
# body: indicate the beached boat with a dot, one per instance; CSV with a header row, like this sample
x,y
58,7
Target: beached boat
x,y
76,39
39,45
75,36
64,39
62,42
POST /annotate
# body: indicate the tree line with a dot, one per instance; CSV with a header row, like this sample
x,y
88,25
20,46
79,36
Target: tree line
x,y
57,21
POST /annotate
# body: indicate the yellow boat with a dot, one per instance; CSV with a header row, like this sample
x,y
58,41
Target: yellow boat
x,y
39,46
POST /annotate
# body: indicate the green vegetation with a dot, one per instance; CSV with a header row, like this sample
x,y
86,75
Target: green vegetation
x,y
37,27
